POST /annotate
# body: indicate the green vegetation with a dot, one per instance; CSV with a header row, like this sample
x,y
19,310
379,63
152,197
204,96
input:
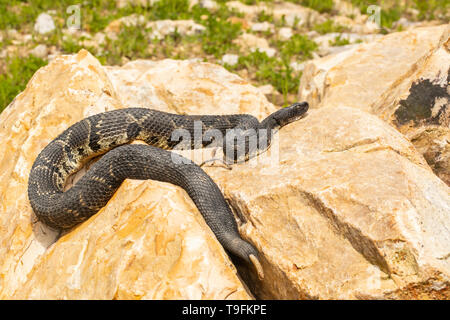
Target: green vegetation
x,y
14,80
217,40
339,41
131,43
222,27
328,26
432,9
318,5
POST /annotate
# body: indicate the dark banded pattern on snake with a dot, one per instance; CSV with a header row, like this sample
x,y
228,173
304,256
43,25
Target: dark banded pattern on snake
x,y
109,133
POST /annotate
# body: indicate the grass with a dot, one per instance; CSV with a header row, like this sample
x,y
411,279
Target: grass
x,y
277,70
14,80
392,11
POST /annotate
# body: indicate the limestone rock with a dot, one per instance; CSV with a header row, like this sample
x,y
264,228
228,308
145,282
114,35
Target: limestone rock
x,y
291,13
162,28
324,40
298,67
343,207
395,78
263,27
207,4
142,3
149,242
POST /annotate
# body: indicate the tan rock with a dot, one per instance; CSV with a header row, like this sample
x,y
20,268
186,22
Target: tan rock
x,y
361,24
149,242
207,4
402,78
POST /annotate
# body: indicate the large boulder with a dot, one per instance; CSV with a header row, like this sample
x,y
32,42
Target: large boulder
x,y
292,14
341,206
402,78
149,242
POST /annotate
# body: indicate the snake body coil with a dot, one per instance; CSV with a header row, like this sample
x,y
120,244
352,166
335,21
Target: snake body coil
x,y
110,132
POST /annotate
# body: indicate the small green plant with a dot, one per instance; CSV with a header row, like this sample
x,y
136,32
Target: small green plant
x,y
339,41
389,16
131,43
318,5
18,72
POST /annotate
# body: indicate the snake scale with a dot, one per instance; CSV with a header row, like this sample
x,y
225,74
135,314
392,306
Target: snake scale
x,y
110,133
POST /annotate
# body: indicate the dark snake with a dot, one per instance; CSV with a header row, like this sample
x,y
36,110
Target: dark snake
x,y
110,133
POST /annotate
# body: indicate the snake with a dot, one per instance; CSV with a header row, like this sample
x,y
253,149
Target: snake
x,y
109,134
